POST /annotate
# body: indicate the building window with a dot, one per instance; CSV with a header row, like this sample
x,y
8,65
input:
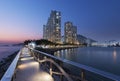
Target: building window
x,y
57,17
57,13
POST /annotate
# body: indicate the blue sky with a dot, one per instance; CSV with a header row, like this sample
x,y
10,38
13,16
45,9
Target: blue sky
x,y
24,19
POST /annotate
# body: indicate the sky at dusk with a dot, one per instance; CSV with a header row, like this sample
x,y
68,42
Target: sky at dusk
x,y
24,19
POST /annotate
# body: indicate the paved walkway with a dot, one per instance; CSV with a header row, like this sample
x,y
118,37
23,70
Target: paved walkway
x,y
28,69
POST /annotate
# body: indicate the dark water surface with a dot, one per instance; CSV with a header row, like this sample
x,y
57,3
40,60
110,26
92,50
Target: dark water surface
x,y
8,50
103,58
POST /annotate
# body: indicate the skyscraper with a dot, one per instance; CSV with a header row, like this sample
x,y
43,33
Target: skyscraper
x,y
44,32
70,32
52,30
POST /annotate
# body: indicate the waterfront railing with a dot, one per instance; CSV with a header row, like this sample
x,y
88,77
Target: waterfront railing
x,y
9,74
83,68
42,56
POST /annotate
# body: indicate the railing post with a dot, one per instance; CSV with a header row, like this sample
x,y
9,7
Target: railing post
x,y
61,76
41,57
34,55
30,51
82,75
50,68
39,66
38,56
45,62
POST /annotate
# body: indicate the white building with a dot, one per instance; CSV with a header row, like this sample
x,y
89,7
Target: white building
x,y
52,30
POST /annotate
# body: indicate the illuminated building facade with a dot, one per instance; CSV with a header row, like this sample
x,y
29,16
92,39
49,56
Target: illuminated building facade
x,y
70,33
52,30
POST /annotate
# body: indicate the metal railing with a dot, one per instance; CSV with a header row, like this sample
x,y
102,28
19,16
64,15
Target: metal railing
x,y
8,76
44,59
82,67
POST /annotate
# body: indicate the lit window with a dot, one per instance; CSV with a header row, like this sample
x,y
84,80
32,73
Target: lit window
x,y
57,13
57,17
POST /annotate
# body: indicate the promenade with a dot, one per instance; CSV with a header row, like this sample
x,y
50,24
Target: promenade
x,y
34,65
28,69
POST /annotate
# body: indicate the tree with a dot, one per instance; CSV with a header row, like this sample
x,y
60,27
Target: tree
x,y
27,41
44,42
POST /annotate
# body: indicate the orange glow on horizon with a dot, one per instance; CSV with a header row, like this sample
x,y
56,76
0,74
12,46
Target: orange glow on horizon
x,y
17,38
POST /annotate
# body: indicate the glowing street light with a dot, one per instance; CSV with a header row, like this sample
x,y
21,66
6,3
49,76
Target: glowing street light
x,y
32,45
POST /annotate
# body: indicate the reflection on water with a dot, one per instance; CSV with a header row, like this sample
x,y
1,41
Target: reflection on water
x,y
114,55
67,53
103,58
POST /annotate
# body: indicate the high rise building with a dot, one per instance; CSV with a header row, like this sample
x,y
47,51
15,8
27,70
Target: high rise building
x,y
74,35
70,33
52,30
44,32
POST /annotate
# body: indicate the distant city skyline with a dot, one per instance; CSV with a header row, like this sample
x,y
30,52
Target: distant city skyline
x,y
24,19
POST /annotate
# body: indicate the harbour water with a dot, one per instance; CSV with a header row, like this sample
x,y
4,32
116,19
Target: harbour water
x,y
7,50
102,58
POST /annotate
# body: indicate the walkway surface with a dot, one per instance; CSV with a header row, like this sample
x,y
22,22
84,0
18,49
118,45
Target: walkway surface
x,y
28,69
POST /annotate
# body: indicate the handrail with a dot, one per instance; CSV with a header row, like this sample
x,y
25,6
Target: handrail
x,y
10,71
64,73
87,68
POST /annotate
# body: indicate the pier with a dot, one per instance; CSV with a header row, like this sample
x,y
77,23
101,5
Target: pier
x,y
34,65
